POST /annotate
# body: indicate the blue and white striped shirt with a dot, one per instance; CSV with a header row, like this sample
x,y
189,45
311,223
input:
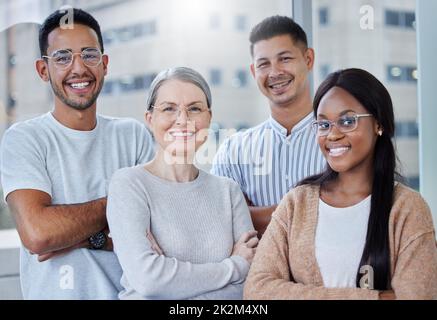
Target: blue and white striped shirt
x,y
267,163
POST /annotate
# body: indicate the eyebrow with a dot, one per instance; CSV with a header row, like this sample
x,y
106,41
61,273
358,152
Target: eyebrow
x,y
340,114
69,49
284,52
188,104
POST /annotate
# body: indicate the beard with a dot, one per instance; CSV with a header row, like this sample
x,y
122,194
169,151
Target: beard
x,y
73,103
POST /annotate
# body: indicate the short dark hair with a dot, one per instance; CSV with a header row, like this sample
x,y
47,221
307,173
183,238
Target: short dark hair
x,y
276,26
53,21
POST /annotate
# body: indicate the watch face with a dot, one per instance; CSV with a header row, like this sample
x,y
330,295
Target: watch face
x,y
98,240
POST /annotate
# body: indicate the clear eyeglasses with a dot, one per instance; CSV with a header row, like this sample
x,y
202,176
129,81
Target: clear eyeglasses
x,y
346,123
63,58
171,111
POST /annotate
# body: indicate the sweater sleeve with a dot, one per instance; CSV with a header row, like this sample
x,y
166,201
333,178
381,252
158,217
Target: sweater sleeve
x,y
242,221
415,271
270,275
151,275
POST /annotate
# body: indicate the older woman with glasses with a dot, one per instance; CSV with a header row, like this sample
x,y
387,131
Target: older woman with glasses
x,y
351,232
179,232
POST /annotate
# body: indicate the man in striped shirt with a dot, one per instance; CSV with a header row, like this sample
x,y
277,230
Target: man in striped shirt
x,y
269,159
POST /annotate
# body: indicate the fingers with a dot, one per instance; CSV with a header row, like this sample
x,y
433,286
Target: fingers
x,y
109,246
249,203
247,235
158,250
252,243
154,244
45,257
50,255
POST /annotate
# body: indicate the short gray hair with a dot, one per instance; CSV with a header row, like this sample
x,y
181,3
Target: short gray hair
x,y
183,74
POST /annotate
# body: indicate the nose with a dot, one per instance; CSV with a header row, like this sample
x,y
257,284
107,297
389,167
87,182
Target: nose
x,y
334,134
77,65
275,70
182,116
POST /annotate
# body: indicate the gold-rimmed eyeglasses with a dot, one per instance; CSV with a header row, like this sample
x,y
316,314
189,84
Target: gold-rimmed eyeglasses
x,y
172,111
63,58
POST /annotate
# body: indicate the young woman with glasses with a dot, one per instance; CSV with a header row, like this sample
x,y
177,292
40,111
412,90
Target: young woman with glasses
x,y
179,232
353,231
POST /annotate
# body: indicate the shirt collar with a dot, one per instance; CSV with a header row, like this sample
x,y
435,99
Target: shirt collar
x,y
301,125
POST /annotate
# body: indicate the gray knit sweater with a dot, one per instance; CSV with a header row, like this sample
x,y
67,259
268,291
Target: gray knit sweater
x,y
195,224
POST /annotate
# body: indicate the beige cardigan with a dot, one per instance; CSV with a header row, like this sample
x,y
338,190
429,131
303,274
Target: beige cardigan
x,y
285,265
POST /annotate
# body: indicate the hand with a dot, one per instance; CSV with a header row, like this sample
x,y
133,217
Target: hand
x,y
109,246
246,246
154,244
50,255
387,295
248,201
82,245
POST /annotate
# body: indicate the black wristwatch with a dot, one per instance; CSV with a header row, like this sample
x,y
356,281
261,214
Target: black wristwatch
x,y
98,241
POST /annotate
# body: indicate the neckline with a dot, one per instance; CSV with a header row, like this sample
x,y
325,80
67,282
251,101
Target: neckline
x,y
298,127
357,205
200,177
73,132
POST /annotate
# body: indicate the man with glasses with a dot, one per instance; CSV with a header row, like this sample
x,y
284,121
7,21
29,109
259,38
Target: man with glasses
x,y
269,159
55,169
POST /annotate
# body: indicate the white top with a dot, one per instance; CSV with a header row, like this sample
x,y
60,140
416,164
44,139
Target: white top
x,y
340,239
72,167
195,223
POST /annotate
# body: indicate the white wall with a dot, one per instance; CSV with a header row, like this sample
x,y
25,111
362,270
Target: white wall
x,y
9,266
427,47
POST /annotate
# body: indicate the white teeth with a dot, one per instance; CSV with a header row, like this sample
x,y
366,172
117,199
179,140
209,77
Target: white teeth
x,y
280,85
182,134
80,85
338,151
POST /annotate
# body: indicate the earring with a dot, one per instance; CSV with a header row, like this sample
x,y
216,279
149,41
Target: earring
x,y
380,133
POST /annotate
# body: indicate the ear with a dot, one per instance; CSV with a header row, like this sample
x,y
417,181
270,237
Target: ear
x,y
148,118
309,58
42,69
252,70
378,129
105,62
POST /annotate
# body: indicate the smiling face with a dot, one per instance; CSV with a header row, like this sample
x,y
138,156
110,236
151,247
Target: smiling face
x,y
350,151
281,67
180,134
78,85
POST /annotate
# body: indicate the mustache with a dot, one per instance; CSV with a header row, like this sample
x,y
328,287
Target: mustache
x,y
279,78
85,76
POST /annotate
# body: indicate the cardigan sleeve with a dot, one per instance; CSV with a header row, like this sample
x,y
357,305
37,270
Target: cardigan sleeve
x,y
415,270
270,275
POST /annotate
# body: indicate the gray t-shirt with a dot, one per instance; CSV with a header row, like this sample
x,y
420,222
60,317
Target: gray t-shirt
x,y
195,224
72,167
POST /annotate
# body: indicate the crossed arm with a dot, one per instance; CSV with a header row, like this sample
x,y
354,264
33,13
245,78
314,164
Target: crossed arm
x,y
48,230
